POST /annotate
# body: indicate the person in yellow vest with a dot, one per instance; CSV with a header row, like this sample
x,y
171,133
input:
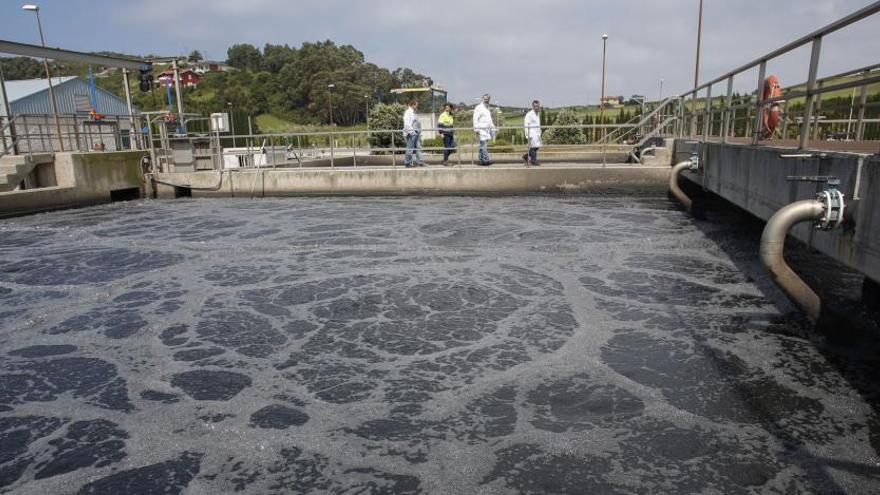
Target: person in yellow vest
x,y
445,123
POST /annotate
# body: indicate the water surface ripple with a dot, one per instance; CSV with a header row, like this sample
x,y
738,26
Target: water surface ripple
x,y
532,344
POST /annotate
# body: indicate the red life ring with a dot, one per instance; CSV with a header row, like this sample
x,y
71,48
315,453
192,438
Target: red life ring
x,y
770,116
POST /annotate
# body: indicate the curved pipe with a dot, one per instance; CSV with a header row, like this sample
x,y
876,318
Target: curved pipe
x,y
773,245
673,184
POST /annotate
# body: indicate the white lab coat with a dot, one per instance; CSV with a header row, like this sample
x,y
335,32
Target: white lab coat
x,y
483,124
410,122
532,128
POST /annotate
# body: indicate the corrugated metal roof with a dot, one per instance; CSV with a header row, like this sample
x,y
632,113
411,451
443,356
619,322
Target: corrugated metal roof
x,y
31,96
17,90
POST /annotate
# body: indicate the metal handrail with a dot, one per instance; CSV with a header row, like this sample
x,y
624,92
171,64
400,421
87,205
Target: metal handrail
x,y
646,118
813,88
289,149
837,25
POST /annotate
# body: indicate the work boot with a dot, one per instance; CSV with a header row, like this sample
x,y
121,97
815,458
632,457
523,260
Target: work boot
x,y
536,163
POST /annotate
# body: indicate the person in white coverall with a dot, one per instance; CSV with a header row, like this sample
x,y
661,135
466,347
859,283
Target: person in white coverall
x,y
485,129
411,133
532,128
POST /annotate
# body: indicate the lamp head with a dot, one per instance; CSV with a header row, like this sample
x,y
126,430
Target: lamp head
x,y
331,86
604,37
31,7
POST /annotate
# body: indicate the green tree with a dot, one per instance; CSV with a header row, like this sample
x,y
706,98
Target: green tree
x,y
567,135
386,118
15,68
275,57
244,56
195,56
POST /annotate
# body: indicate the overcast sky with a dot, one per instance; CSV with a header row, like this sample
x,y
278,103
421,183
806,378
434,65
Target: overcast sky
x,y
516,50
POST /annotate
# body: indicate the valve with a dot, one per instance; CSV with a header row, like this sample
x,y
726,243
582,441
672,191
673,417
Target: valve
x,y
832,199
834,203
695,161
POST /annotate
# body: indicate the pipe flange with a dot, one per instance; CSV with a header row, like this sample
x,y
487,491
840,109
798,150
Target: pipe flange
x,y
695,162
834,205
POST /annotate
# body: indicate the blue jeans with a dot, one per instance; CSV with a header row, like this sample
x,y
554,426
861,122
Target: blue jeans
x,y
412,145
447,145
533,155
484,151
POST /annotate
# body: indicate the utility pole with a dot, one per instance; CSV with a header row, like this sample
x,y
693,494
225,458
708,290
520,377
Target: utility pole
x,y
602,99
135,131
180,127
36,9
232,121
699,33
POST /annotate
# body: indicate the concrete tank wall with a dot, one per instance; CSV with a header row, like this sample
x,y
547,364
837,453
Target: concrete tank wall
x,y
82,179
755,179
383,181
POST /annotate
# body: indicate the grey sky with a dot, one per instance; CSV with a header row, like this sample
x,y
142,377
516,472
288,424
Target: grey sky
x,y
549,49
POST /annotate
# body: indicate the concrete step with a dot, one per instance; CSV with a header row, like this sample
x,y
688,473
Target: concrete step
x,y
9,182
18,169
14,168
35,158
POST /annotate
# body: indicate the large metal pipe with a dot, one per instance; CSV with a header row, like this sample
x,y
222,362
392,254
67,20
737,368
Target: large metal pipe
x,y
773,246
673,184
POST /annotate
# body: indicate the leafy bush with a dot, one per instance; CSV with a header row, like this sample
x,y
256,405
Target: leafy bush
x,y
500,146
386,117
565,136
436,142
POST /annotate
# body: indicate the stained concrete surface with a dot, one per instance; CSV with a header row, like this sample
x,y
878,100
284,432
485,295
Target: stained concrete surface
x,y
536,344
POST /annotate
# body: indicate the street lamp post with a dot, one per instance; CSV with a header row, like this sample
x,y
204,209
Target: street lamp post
x,y
661,89
231,122
602,98
367,114
330,88
36,10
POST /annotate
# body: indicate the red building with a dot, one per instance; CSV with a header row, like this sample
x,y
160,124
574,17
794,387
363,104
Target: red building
x,y
188,78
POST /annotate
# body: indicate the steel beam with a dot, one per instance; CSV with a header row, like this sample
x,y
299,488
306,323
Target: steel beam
x,y
71,56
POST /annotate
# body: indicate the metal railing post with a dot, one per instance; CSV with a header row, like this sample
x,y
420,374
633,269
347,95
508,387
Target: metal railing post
x,y
811,87
393,152
353,152
299,149
725,115
863,101
785,120
693,129
707,113
732,122
332,150
680,124
818,98
759,105
458,152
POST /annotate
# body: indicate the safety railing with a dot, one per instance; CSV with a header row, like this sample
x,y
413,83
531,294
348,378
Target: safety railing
x,y
8,139
37,133
385,146
725,117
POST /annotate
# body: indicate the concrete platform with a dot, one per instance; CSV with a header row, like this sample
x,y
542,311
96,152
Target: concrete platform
x,y
80,179
385,180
